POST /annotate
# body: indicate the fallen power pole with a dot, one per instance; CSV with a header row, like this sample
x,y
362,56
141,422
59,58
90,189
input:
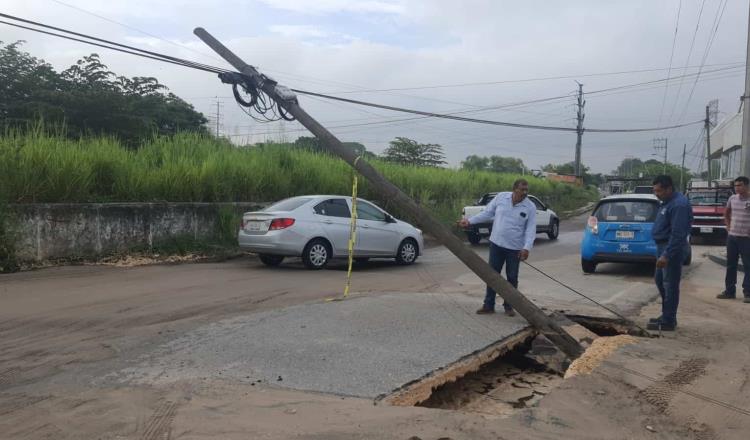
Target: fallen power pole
x,y
288,101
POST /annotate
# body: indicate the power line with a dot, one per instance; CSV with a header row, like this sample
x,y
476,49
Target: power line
x,y
120,47
687,62
715,30
515,81
671,57
485,121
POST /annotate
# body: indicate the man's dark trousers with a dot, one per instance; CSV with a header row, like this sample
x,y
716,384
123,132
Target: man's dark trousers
x,y
737,247
668,282
499,257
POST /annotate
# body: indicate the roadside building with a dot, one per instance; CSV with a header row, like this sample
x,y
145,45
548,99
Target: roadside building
x,y
726,149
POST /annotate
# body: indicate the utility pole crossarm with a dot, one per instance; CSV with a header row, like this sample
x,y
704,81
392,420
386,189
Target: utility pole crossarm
x,y
535,316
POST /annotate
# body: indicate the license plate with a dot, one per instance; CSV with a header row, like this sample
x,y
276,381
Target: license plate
x,y
484,230
254,226
626,235
707,230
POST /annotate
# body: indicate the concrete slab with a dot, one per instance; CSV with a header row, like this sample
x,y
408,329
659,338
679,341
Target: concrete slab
x,y
366,346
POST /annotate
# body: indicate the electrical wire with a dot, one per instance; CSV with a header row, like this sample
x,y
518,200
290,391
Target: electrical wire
x,y
263,106
614,312
489,122
687,62
671,57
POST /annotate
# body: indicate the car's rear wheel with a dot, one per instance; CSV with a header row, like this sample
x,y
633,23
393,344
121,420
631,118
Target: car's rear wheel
x,y
316,254
473,237
407,253
588,266
554,230
271,260
688,260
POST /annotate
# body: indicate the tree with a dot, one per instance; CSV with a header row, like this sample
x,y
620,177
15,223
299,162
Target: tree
x,y
88,98
634,168
501,164
475,163
409,152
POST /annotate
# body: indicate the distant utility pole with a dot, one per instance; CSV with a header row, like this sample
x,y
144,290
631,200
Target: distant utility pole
x,y
579,129
707,124
745,112
661,144
218,115
682,167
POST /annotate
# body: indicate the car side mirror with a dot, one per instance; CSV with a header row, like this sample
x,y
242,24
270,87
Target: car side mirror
x,y
389,219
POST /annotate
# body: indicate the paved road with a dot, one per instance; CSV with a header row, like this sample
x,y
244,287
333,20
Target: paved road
x,y
243,321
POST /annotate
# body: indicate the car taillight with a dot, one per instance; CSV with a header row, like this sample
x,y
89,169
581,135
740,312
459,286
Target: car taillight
x,y
594,225
281,223
242,224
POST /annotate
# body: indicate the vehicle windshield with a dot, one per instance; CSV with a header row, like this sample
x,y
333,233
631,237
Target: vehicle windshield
x,y
486,199
288,204
709,198
638,211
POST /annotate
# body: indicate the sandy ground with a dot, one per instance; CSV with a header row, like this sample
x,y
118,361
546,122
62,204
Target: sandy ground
x,y
692,384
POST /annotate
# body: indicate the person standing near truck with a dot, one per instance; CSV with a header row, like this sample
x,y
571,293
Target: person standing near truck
x,y
737,219
512,237
670,232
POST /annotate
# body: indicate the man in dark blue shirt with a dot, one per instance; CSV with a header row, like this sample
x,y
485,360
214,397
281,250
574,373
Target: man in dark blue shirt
x,y
670,232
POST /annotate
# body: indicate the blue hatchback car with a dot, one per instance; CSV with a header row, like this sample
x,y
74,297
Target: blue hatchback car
x,y
619,230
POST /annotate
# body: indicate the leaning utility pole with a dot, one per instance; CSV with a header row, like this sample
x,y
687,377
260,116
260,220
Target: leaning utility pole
x,y
746,112
707,124
579,129
287,100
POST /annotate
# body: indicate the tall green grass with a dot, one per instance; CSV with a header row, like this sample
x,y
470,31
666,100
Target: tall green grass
x,y
40,167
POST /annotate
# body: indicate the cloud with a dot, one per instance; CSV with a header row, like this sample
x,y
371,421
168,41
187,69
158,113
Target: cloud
x,y
336,6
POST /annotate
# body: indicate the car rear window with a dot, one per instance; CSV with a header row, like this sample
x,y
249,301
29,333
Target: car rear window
x,y
709,198
627,211
288,204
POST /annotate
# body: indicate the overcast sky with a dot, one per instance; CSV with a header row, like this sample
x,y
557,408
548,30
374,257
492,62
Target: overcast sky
x,y
348,47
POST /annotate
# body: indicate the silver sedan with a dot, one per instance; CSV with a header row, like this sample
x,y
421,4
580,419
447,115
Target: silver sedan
x,y
317,229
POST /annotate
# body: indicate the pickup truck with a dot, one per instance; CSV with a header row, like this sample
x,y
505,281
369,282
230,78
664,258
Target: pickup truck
x,y
709,205
546,220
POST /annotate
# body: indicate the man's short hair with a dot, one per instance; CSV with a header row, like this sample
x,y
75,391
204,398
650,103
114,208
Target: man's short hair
x,y
664,181
520,182
745,181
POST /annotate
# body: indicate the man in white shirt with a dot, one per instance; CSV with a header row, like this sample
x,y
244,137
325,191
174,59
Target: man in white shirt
x,y
512,237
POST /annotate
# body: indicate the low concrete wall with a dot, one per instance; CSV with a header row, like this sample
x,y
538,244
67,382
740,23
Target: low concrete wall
x,y
51,231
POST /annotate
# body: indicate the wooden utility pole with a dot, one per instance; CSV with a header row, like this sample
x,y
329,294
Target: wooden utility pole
x,y
288,101
579,130
745,149
707,124
682,168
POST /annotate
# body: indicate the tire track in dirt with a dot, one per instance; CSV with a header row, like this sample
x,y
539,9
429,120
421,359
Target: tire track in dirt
x,y
661,393
159,426
10,403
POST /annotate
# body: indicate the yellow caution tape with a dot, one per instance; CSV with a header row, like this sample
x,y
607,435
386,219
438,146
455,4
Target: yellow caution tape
x,y
352,237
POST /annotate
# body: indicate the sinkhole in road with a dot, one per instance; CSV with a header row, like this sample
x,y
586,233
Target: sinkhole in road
x,y
511,375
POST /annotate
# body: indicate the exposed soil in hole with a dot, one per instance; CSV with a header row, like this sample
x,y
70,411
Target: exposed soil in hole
x,y
498,388
606,326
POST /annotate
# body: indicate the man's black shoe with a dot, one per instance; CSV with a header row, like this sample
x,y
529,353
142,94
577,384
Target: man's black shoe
x,y
725,295
654,319
658,325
